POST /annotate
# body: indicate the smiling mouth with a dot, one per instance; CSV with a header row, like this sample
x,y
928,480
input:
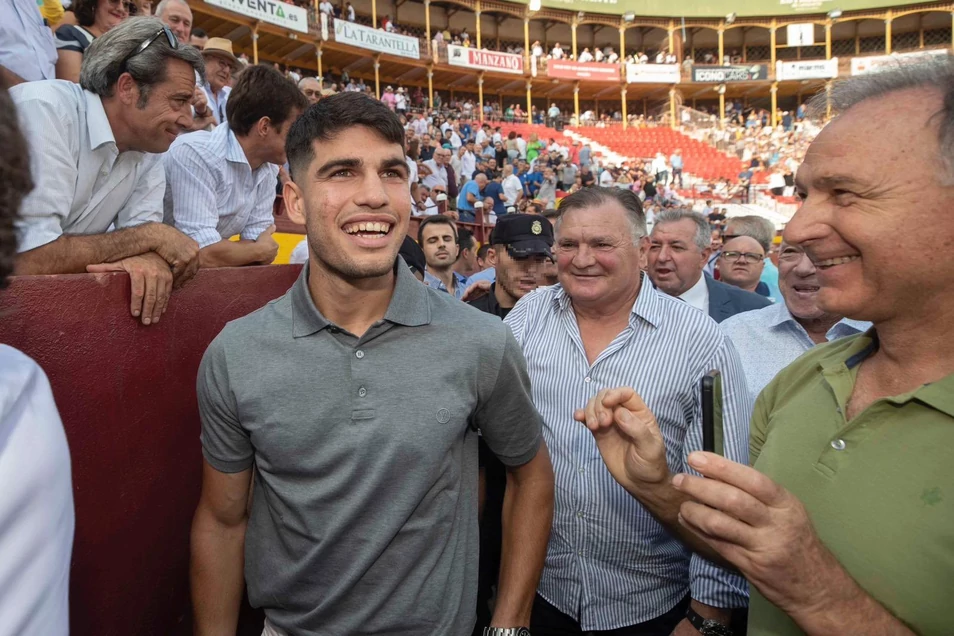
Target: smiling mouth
x,y
806,289
832,262
370,230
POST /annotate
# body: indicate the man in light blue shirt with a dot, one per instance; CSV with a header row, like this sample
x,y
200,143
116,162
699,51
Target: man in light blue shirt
x,y
469,195
222,183
27,49
769,339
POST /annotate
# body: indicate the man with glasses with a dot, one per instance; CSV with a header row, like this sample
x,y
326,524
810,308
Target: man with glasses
x,y
220,63
770,339
94,150
740,264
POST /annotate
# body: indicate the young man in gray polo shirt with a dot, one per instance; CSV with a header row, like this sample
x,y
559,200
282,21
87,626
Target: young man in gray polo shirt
x,y
364,515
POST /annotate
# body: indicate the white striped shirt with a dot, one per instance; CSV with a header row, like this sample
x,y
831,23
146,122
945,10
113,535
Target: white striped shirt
x,y
609,563
211,191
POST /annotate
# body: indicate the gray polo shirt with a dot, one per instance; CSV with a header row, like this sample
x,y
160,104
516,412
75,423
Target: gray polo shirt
x,y
364,518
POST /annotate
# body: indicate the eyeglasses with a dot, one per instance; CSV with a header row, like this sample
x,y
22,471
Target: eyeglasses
x,y
130,7
171,38
749,257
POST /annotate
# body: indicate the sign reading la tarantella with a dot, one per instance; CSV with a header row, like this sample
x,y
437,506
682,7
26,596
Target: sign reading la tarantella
x,y
730,73
287,16
377,40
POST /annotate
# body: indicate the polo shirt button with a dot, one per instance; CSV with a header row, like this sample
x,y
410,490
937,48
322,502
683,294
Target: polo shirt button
x,y
362,392
580,514
838,444
587,379
359,354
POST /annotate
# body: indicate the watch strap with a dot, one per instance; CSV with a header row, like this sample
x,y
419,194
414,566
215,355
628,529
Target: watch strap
x,y
707,626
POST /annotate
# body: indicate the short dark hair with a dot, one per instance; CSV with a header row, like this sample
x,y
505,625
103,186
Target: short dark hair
x,y
15,182
437,219
465,238
336,113
482,251
200,33
261,91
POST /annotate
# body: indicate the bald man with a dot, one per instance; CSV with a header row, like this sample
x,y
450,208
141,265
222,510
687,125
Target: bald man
x,y
311,88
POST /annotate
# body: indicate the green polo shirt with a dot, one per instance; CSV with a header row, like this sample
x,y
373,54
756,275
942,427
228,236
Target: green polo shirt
x,y
879,489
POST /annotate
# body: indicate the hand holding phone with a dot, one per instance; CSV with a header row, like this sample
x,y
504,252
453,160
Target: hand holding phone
x,y
712,433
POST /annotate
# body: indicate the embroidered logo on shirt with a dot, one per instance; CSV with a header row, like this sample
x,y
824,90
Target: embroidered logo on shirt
x,y
443,416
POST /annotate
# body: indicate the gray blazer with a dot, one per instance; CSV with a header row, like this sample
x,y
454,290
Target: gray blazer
x,y
726,300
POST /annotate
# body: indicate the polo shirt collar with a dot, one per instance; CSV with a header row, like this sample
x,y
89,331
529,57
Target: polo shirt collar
x,y
97,123
409,304
938,395
648,305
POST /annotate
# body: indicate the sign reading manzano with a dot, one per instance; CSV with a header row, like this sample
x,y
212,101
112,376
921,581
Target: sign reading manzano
x,y
731,73
284,15
484,60
376,40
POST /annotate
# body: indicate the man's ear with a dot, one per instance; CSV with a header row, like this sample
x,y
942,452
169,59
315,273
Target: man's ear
x,y
294,202
126,90
263,126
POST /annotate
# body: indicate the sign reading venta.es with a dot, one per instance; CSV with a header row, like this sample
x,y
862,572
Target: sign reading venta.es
x,y
276,12
376,40
484,60
730,73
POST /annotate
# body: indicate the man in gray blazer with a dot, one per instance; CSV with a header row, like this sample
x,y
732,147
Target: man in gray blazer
x,y
680,248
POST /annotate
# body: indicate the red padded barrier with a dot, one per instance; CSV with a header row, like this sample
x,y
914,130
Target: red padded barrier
x,y
126,394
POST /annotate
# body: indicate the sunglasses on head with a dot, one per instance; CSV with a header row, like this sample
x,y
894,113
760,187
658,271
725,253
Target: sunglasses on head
x,y
171,39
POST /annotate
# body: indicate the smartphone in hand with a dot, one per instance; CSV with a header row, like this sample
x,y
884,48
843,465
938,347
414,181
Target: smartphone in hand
x,y
712,434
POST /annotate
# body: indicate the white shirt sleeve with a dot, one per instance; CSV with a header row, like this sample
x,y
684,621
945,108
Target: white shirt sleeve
x,y
53,164
144,204
36,502
190,200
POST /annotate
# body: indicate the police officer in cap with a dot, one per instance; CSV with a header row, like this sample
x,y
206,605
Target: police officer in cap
x,y
521,244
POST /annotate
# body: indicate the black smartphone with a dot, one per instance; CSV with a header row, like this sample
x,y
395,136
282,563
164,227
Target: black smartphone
x,y
712,412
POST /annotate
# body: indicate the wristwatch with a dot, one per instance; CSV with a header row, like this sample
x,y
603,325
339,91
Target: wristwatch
x,y
506,631
707,626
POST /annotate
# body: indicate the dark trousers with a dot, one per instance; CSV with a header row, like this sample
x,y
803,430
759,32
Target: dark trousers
x,y
547,620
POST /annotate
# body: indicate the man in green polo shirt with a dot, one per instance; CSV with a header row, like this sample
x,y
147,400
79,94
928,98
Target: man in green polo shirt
x,y
845,522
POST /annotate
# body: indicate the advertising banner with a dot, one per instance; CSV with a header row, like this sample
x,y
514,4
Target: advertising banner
x,y
652,74
811,69
287,16
862,65
730,73
800,34
592,71
376,40
484,60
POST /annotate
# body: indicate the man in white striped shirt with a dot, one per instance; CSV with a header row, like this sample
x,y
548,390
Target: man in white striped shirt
x,y
222,183
611,566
